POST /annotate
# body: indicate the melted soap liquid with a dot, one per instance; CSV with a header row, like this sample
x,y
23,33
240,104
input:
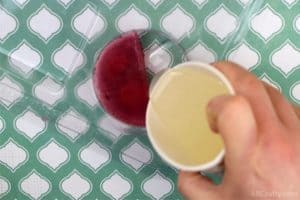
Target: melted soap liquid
x,y
177,115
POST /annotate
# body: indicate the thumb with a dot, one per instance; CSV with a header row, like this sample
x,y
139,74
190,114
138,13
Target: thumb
x,y
194,186
233,119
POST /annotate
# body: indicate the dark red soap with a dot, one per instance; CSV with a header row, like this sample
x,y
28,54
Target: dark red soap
x,y
120,80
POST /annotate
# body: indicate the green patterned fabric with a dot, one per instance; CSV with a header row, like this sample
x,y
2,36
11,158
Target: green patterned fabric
x,y
57,143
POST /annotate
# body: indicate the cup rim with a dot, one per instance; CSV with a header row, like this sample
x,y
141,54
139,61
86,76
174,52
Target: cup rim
x,y
219,158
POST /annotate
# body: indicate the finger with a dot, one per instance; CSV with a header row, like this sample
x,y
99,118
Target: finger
x,y
234,120
247,85
297,110
195,186
283,108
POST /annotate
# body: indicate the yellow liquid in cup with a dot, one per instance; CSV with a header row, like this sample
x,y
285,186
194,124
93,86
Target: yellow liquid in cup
x,y
176,115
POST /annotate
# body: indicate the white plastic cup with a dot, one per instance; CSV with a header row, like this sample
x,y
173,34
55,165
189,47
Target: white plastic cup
x,y
212,166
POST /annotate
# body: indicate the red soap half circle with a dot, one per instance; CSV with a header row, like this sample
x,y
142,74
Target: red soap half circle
x,y
120,80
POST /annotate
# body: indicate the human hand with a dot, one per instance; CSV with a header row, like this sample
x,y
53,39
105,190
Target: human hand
x,y
261,133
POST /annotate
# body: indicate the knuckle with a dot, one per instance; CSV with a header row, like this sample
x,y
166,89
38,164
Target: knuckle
x,y
251,83
231,112
279,149
235,103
